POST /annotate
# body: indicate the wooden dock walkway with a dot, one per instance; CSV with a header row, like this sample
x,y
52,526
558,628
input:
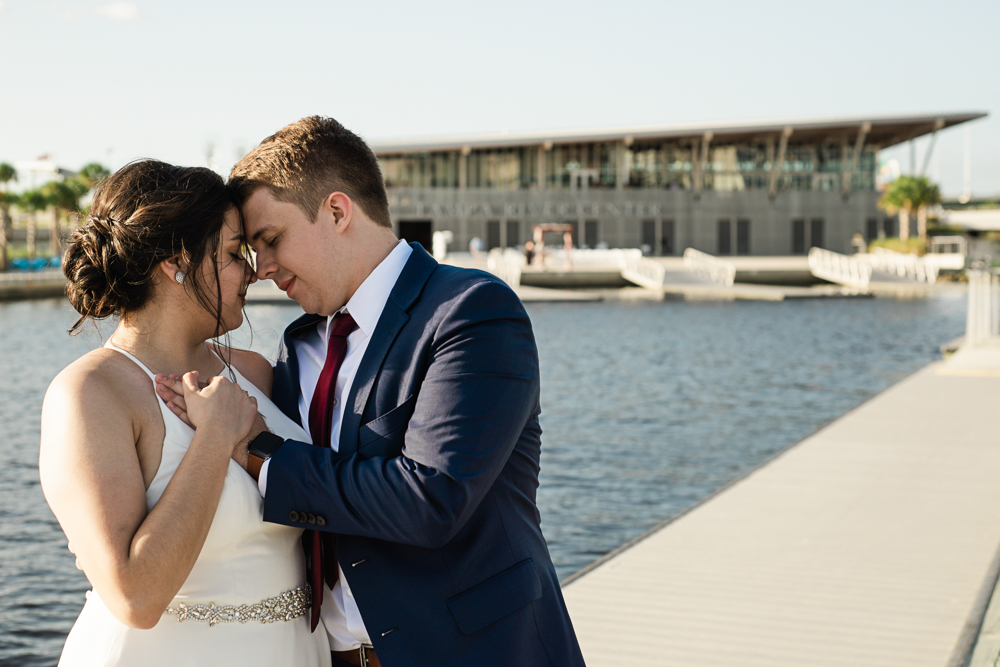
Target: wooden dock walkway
x,y
871,542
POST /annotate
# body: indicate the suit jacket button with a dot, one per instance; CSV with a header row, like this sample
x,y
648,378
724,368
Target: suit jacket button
x,y
293,516
311,518
320,521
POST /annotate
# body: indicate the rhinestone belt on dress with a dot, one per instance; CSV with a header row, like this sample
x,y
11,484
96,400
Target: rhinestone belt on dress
x,y
285,607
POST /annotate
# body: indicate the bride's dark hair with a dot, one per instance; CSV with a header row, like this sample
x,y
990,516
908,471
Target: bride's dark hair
x,y
143,214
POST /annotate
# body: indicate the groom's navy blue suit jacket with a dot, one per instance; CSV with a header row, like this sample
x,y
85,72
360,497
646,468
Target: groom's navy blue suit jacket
x,y
432,494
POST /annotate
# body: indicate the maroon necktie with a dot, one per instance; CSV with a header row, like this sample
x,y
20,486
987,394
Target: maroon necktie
x,y
320,426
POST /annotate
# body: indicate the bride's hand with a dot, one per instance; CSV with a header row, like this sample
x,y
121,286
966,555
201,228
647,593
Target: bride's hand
x,y
171,390
222,406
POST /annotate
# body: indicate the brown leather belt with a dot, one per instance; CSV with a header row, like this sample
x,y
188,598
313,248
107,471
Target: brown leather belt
x,y
362,657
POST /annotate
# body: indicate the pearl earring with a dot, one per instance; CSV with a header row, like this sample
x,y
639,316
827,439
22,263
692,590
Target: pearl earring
x,y
179,277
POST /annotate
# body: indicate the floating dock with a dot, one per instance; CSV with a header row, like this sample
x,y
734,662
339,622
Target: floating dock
x,y
873,542
18,285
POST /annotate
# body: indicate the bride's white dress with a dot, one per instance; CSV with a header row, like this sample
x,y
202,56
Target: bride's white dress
x,y
244,561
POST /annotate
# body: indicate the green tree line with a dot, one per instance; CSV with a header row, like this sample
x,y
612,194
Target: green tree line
x,y
61,198
907,196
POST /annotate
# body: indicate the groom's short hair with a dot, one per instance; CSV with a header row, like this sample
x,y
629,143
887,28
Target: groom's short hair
x,y
304,162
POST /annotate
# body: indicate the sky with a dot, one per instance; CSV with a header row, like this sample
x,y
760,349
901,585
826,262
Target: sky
x,y
112,82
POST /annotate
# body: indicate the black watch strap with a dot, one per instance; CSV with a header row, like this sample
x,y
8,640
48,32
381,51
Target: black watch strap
x,y
265,445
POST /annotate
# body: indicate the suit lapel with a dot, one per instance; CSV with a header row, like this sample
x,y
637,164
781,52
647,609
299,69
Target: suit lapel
x,y
410,283
287,388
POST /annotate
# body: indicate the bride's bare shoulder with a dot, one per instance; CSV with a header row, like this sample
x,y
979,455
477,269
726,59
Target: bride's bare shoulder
x,y
101,370
100,377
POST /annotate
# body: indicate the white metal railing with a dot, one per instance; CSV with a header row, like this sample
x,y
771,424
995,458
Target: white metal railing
x,y
903,265
506,263
641,271
20,277
711,267
982,320
840,269
595,258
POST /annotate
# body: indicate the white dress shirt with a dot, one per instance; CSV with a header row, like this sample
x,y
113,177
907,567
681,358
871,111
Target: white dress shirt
x,y
340,612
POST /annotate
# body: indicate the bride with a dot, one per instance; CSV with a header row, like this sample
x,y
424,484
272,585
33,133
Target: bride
x,y
163,518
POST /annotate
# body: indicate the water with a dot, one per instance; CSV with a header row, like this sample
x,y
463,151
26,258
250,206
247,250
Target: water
x,y
647,408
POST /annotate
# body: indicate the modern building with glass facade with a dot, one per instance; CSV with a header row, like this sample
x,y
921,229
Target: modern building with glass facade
x,y
728,189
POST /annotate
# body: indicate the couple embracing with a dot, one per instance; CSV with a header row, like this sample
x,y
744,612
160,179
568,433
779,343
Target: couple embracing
x,y
368,500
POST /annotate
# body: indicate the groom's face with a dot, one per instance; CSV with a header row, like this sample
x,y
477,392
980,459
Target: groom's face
x,y
300,255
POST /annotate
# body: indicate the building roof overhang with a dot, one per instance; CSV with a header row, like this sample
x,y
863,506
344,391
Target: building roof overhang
x,y
882,131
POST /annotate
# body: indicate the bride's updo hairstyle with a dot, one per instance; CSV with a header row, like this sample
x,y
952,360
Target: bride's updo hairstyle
x,y
143,214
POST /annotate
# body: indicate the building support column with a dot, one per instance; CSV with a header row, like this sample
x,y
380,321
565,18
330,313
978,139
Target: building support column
x,y
847,174
938,124
540,171
779,163
622,163
699,165
463,202
463,167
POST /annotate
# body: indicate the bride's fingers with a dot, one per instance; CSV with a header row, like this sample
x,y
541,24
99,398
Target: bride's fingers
x,y
168,384
180,412
165,392
171,396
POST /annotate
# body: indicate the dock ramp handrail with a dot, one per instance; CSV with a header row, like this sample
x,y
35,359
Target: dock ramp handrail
x,y
711,267
840,269
982,320
505,264
641,271
904,265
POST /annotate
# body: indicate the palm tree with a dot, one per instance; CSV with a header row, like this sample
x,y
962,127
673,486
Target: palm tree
x,y
34,201
927,194
91,174
907,195
64,197
7,199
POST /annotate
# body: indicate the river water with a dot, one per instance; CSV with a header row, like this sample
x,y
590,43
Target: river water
x,y
647,408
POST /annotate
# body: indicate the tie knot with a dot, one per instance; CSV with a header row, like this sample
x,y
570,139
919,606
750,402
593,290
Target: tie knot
x,y
343,324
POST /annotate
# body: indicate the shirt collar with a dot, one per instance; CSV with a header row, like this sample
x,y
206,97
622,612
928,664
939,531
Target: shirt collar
x,y
369,299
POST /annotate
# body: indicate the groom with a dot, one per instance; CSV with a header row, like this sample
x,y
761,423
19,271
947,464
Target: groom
x,y
418,384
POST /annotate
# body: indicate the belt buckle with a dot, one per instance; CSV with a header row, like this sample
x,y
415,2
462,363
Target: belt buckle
x,y
363,653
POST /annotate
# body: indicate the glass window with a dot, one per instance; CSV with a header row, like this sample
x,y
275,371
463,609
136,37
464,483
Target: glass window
x,y
871,229
513,234
667,247
492,234
742,237
590,233
648,237
816,233
798,237
725,244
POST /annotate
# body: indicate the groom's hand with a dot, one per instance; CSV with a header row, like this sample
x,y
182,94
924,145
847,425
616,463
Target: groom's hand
x,y
171,390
